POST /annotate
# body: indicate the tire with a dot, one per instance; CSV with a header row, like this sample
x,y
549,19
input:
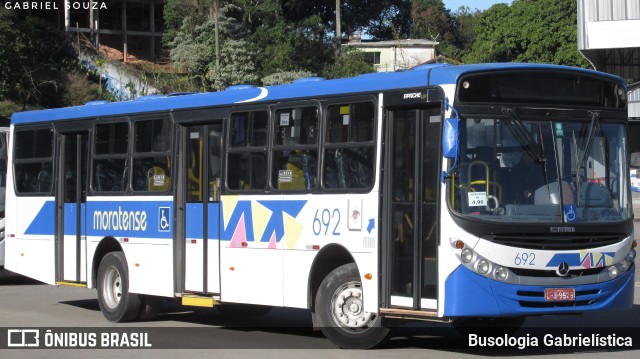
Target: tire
x,y
149,307
340,314
493,326
116,303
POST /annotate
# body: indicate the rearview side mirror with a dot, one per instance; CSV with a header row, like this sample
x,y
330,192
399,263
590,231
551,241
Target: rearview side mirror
x,y
450,138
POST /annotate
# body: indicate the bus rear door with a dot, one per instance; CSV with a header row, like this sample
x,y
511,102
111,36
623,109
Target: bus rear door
x,y
71,199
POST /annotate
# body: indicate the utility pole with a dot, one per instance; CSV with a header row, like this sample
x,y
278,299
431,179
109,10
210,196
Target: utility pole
x,y
338,30
216,15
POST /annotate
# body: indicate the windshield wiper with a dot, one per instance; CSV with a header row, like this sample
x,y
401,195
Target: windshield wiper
x,y
594,126
522,134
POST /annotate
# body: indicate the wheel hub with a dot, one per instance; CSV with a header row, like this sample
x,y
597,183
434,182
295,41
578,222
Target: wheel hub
x,y
112,288
348,310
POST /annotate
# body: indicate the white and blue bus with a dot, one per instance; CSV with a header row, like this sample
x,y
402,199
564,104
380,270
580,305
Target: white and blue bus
x,y
4,139
473,194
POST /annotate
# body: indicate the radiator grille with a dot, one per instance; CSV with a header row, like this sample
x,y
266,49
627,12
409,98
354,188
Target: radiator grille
x,y
565,241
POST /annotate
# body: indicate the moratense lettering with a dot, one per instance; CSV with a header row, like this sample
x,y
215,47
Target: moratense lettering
x,y
120,220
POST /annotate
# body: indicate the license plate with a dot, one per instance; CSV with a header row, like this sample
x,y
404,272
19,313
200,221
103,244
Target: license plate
x,y
559,294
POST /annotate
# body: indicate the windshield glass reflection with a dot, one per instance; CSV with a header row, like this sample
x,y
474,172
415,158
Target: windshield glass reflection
x,y
519,169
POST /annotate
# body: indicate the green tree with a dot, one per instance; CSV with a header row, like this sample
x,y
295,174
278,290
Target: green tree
x,y
193,46
431,20
291,46
462,21
236,66
34,60
352,63
8,55
528,31
285,77
393,20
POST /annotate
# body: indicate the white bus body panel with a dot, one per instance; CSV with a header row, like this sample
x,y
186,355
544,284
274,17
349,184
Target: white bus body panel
x,y
32,255
274,269
2,243
149,258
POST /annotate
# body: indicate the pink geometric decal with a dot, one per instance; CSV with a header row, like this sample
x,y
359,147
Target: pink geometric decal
x,y
272,241
239,235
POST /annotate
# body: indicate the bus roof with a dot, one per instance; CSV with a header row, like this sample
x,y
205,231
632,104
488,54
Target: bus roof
x,y
421,76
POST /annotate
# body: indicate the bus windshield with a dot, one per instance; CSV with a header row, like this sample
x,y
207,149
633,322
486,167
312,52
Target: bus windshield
x,y
526,169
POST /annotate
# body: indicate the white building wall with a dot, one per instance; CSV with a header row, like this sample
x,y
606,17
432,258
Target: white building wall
x,y
634,103
398,55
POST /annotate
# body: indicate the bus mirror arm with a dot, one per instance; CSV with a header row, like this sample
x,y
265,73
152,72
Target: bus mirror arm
x,y
450,140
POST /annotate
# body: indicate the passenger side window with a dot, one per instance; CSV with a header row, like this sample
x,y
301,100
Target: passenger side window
x,y
295,153
109,166
349,149
247,155
152,156
33,161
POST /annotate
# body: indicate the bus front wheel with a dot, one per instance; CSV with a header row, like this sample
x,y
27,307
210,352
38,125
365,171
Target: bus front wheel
x,y
340,311
116,303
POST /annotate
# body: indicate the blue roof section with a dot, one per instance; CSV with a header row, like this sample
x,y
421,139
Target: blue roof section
x,y
422,76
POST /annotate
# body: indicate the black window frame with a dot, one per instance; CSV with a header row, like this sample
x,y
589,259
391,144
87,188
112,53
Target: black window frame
x,y
275,147
167,153
34,160
370,144
230,149
126,156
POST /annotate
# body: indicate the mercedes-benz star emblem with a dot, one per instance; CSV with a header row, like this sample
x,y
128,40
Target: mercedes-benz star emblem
x,y
563,269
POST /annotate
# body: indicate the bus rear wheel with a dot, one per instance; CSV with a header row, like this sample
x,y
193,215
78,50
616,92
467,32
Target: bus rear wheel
x,y
340,311
116,303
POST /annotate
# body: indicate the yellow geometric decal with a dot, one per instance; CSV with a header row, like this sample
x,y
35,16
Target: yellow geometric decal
x,y
228,205
292,231
261,216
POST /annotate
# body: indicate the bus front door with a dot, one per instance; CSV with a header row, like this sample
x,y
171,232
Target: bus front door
x,y
71,198
199,208
411,232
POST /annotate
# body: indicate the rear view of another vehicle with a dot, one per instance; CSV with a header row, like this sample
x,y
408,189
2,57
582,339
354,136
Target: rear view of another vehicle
x,y
4,133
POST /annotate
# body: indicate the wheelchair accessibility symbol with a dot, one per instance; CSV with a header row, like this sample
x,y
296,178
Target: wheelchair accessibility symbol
x,y
164,217
570,213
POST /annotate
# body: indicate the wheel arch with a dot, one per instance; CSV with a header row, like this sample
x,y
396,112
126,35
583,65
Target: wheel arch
x,y
329,258
107,245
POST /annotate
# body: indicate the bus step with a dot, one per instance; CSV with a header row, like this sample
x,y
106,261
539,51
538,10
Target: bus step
x,y
72,284
194,300
423,315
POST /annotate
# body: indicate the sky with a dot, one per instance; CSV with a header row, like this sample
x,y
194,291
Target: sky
x,y
453,5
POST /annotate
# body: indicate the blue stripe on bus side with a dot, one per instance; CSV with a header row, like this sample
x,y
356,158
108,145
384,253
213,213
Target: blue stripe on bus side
x,y
125,219
44,221
194,227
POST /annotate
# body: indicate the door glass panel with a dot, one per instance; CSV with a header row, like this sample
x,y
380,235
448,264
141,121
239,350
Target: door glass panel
x,y
195,146
430,170
71,166
215,161
403,202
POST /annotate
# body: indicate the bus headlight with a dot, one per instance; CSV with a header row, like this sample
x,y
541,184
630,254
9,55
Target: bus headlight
x,y
483,266
466,255
612,271
631,256
623,265
501,274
